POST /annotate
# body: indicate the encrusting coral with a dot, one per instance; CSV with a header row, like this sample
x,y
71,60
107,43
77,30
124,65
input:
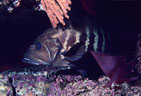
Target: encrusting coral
x,y
36,84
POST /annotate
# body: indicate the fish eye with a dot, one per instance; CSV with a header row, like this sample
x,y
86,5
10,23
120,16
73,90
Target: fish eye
x,y
37,45
32,46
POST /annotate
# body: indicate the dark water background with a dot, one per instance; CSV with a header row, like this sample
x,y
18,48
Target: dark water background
x,y
18,31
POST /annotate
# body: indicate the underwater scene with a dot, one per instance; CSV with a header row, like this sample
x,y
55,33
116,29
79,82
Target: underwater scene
x,y
70,48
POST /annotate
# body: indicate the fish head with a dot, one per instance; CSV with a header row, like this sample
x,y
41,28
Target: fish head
x,y
42,52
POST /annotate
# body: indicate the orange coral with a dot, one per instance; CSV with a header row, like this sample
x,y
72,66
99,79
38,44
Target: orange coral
x,y
56,10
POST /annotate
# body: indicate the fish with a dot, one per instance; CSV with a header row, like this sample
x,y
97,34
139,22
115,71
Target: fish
x,y
49,48
60,48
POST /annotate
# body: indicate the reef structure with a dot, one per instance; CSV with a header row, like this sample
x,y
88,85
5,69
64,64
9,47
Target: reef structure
x,y
36,82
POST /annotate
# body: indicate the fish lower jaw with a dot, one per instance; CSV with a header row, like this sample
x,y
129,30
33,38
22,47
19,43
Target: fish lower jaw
x,y
38,62
29,61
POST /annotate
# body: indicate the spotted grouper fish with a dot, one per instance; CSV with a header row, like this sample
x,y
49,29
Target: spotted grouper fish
x,y
51,48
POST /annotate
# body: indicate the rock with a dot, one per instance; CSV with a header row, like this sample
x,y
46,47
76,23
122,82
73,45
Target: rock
x,y
40,81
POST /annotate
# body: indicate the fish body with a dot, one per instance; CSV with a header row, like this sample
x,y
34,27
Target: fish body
x,y
59,48
55,43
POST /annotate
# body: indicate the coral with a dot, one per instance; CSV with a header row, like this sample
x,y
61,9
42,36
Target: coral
x,y
56,10
5,86
78,86
26,82
37,81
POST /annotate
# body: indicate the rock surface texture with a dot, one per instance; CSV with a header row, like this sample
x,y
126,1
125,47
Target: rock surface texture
x,y
34,82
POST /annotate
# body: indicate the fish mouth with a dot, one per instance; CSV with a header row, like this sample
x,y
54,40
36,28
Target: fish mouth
x,y
34,62
28,60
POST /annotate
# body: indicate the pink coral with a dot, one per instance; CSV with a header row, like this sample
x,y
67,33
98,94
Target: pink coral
x,y
56,10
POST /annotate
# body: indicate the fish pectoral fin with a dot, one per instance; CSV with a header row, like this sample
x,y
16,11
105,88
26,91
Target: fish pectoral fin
x,y
59,62
79,53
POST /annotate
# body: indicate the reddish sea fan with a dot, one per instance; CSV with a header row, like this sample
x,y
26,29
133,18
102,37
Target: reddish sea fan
x,y
56,10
